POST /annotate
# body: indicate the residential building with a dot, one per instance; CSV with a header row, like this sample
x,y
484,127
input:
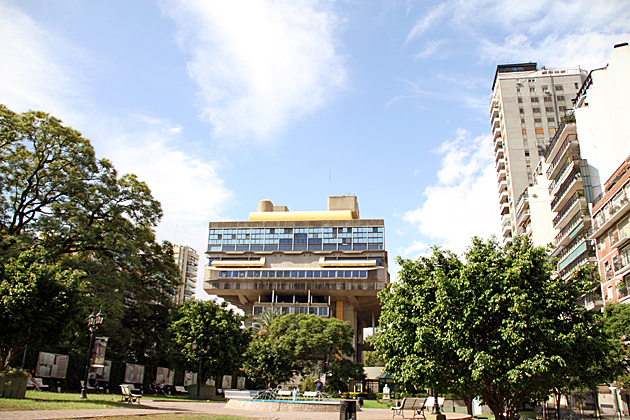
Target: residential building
x,y
573,184
611,231
328,263
601,111
527,105
187,260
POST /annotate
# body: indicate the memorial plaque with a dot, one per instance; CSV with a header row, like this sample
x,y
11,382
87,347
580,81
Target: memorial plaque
x,y
51,365
134,374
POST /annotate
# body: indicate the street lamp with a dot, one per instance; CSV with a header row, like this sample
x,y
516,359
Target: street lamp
x,y
94,321
195,347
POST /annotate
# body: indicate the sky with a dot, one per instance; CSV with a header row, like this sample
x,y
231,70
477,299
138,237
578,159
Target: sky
x,y
218,104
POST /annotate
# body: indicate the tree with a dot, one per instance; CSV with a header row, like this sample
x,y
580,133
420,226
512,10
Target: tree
x,y
617,324
263,323
38,302
217,330
500,326
313,338
54,193
372,358
342,371
268,361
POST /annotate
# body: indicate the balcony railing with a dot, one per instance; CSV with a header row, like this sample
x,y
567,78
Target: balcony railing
x,y
575,242
582,259
568,228
556,136
571,179
567,207
556,160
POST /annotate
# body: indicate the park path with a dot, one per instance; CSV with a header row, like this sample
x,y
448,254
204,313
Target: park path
x,y
164,407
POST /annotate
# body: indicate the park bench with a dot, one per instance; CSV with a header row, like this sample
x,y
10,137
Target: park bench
x,y
89,387
133,388
40,383
416,405
128,396
180,389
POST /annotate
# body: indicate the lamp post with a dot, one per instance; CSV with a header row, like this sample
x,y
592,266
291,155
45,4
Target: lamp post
x,y
94,321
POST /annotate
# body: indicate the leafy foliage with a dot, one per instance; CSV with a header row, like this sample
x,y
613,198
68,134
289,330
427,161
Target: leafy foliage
x,y
500,326
617,324
55,194
37,301
217,330
342,371
268,361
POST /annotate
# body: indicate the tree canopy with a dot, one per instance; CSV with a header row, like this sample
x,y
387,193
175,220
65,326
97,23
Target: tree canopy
x,y
56,195
216,329
500,326
293,344
37,301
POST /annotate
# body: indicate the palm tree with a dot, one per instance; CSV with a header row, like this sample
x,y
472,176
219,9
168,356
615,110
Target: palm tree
x,y
263,323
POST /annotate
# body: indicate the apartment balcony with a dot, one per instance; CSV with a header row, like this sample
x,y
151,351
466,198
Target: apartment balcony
x,y
556,141
503,197
494,106
587,257
505,208
592,302
569,148
562,194
506,219
574,248
496,133
498,144
523,202
567,170
523,218
498,156
502,175
563,238
500,164
506,230
503,184
623,238
576,203
610,217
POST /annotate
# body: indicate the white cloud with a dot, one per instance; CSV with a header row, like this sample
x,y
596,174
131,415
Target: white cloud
x,y
463,203
262,65
428,20
35,66
36,73
431,48
415,250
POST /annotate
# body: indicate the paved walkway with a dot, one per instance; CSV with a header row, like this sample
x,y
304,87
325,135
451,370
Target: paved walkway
x,y
164,407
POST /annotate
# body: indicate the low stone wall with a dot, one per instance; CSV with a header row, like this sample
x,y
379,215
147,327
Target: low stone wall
x,y
285,405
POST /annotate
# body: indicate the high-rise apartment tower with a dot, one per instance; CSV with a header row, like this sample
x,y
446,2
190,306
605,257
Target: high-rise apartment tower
x,y
527,105
187,260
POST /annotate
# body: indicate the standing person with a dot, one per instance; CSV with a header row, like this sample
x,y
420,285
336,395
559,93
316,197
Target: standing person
x,y
319,387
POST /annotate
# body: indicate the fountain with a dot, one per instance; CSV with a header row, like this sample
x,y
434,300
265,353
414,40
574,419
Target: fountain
x,y
275,399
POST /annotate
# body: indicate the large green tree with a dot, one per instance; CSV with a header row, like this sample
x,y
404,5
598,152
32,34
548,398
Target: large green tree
x,y
293,344
219,335
56,194
500,325
616,321
38,302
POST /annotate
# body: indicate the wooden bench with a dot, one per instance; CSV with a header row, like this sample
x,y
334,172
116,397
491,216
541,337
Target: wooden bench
x,y
180,389
132,388
416,405
128,396
39,383
89,387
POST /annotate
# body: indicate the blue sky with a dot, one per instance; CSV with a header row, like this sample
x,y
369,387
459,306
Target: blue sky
x,y
218,104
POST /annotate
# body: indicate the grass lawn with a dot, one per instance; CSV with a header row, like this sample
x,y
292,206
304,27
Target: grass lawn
x,y
374,404
54,401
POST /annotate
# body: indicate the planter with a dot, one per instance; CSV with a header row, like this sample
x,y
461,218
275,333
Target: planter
x,y
13,386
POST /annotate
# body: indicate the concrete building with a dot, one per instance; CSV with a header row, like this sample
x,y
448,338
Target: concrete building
x,y
328,263
601,112
573,184
527,105
187,260
611,231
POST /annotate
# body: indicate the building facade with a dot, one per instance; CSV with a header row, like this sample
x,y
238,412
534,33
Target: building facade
x,y
327,263
611,232
526,108
187,260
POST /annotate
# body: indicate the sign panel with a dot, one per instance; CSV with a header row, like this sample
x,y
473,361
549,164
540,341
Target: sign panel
x,y
134,374
51,365
102,373
190,378
98,357
166,375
